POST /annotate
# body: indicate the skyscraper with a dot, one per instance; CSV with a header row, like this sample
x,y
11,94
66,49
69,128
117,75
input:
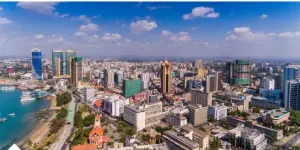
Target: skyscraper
x,y
57,62
76,71
69,55
229,72
109,78
292,95
239,72
198,63
165,76
291,72
131,87
37,63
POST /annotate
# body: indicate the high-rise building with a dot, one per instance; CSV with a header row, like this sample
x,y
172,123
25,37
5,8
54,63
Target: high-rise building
x,y
239,72
131,87
268,84
218,112
37,63
201,98
165,76
198,63
76,71
292,95
109,78
291,72
278,81
69,55
197,115
57,62
210,83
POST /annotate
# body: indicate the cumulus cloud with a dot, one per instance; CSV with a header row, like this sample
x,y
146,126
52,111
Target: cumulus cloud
x,y
204,12
39,36
264,16
80,34
142,26
4,20
46,8
111,37
89,27
175,37
84,18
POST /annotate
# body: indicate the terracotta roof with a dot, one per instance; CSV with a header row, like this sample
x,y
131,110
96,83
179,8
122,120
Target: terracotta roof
x,y
96,130
85,147
97,117
98,103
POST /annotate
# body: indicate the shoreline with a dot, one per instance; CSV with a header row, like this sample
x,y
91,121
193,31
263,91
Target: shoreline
x,y
40,130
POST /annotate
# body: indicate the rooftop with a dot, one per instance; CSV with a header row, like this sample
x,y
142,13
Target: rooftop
x,y
178,138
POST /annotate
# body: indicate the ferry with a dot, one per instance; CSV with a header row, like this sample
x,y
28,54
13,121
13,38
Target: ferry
x,y
27,96
12,114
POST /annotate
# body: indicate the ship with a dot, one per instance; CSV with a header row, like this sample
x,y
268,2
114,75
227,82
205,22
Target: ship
x,y
27,96
12,114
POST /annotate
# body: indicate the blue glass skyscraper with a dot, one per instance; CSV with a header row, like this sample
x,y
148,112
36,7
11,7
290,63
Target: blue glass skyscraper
x,y
69,55
57,62
37,64
291,72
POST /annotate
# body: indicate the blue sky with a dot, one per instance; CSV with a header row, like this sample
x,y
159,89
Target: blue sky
x,y
188,29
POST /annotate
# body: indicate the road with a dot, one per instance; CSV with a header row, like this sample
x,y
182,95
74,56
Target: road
x,y
64,135
291,141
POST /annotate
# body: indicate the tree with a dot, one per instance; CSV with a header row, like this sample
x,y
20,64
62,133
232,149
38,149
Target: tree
x,y
62,113
256,110
29,143
146,137
56,124
89,120
63,99
78,121
211,119
86,132
215,144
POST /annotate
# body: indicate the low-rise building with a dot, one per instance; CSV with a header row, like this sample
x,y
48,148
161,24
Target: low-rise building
x,y
276,116
197,136
176,120
177,141
247,138
218,112
114,105
197,114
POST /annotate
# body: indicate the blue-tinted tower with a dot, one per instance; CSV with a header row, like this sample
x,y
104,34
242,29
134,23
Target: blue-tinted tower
x,y
36,60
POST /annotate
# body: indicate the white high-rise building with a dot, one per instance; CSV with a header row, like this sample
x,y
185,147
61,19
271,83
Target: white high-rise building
x,y
88,93
114,105
269,84
218,112
292,95
109,78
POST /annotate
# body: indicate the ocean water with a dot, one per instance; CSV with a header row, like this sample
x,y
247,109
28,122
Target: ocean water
x,y
23,122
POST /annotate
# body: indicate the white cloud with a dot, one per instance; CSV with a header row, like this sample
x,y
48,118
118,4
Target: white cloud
x,y
204,12
5,21
89,27
84,18
46,8
142,26
158,7
1,8
111,37
176,37
39,36
80,33
264,16
56,40
289,34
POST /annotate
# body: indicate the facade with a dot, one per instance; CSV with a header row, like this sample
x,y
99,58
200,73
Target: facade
x,y
118,78
198,63
165,76
211,83
76,71
278,81
218,112
276,116
37,64
238,72
109,78
247,138
197,115
268,84
292,95
265,103
176,120
178,142
229,72
113,105
197,136
57,63
142,116
69,55
131,87
201,98
88,93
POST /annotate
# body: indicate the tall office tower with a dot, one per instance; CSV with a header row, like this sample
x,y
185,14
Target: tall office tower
x,y
57,62
37,63
292,95
76,71
201,98
229,72
291,72
198,63
165,76
241,72
219,82
109,78
278,81
210,83
131,87
69,55
268,84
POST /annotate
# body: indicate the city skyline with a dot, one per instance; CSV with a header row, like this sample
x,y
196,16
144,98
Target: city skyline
x,y
256,30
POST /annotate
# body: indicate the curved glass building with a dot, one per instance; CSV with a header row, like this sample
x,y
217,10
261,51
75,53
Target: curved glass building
x,y
37,64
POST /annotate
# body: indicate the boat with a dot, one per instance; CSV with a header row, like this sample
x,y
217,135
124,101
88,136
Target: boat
x,y
3,119
27,96
7,88
12,114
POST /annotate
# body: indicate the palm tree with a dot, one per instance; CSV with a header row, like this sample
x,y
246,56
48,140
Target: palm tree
x,y
29,143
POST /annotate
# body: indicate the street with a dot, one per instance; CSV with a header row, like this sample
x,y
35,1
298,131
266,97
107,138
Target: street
x,y
291,141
